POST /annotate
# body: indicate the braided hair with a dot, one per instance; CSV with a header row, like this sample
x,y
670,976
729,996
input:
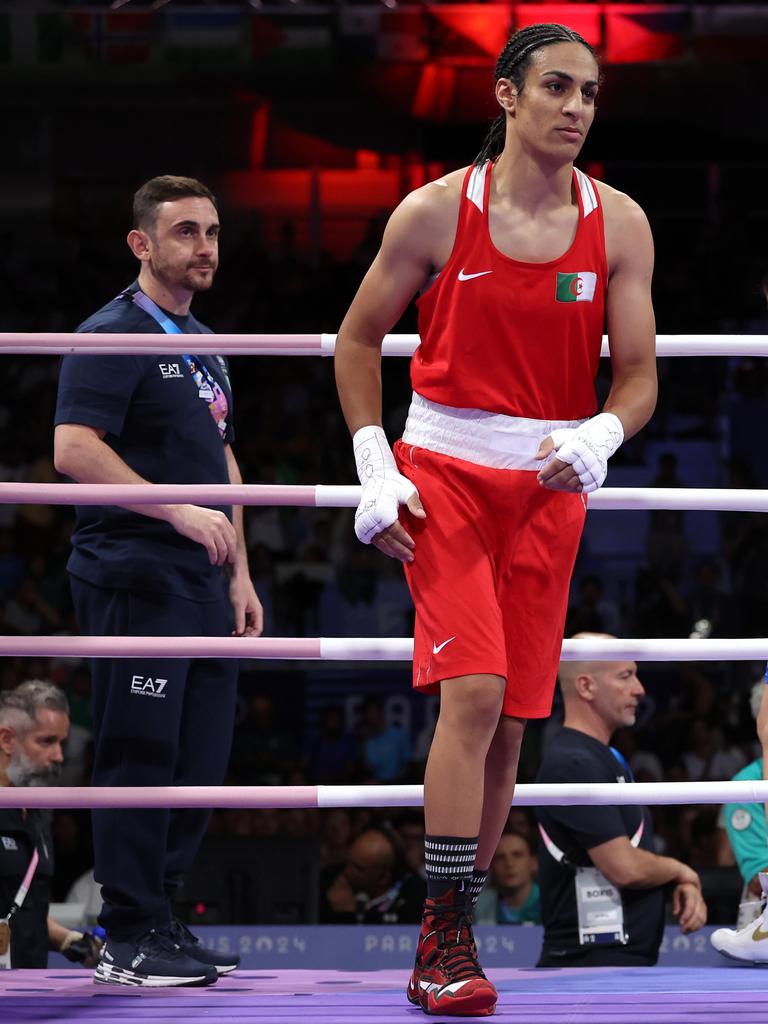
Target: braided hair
x,y
513,63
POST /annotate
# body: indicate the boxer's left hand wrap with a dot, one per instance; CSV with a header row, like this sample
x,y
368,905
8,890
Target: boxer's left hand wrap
x,y
384,489
587,448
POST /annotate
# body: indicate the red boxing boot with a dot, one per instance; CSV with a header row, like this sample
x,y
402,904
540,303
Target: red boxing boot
x,y
446,978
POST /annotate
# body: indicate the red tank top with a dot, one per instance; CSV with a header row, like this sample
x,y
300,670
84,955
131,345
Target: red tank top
x,y
511,337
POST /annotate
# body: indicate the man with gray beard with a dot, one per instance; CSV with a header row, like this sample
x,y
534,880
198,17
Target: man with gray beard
x,y
34,723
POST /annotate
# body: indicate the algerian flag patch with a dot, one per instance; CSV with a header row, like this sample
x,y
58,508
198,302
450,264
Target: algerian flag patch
x,y
576,287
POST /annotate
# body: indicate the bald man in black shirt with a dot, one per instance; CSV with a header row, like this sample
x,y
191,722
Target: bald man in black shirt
x,y
603,889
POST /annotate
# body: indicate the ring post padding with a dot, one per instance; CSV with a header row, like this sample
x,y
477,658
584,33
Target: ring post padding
x,y
330,496
366,649
370,796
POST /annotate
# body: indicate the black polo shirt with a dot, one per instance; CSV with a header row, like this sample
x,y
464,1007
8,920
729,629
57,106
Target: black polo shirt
x,y
572,756
156,421
20,833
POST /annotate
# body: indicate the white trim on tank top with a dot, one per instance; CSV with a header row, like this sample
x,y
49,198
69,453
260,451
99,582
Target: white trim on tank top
x,y
476,185
476,189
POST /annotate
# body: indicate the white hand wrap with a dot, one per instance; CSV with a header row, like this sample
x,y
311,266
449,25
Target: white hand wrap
x,y
384,489
587,448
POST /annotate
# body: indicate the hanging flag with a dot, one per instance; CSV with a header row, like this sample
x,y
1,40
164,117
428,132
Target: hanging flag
x,y
112,37
206,37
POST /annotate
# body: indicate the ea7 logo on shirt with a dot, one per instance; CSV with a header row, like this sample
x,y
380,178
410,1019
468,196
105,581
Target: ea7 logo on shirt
x,y
170,371
147,687
9,843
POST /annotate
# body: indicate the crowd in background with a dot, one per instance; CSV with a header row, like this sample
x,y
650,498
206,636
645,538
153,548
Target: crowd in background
x,y
315,579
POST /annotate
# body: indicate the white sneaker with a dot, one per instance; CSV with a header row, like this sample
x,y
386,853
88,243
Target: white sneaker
x,y
750,944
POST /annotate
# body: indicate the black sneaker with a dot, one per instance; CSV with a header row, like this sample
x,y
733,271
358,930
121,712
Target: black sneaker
x,y
152,961
177,932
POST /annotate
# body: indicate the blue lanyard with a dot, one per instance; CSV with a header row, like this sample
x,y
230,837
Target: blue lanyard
x,y
208,386
623,762
144,302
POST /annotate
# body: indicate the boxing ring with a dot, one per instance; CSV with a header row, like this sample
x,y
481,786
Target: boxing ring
x,y
663,995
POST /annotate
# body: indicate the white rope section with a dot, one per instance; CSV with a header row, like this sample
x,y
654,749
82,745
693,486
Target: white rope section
x,y
561,794
320,344
356,648
329,496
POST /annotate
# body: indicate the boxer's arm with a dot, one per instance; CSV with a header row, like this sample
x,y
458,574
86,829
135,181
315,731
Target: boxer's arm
x,y
629,314
632,341
401,267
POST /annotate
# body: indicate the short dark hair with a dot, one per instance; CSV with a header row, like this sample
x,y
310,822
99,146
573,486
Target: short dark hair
x,y
513,63
165,189
519,834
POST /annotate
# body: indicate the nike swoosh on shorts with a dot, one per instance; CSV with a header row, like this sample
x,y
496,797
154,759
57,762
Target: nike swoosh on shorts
x,y
437,648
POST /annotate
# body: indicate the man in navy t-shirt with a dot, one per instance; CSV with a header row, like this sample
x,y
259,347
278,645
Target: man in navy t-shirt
x,y
602,885
160,570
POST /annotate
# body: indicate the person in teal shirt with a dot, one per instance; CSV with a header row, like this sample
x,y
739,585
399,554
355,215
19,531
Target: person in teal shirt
x,y
748,836
513,894
746,826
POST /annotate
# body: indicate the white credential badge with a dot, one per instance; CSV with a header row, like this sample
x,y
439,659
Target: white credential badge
x,y
600,910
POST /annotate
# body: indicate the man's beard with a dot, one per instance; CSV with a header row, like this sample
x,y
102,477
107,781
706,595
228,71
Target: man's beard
x,y
171,277
21,771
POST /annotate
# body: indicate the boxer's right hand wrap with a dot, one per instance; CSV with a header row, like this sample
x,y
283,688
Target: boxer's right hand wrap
x,y
384,489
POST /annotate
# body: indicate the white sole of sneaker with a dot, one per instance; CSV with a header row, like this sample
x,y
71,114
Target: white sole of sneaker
x,y
106,975
742,959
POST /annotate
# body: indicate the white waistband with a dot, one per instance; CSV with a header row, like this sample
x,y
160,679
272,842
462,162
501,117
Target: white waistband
x,y
486,438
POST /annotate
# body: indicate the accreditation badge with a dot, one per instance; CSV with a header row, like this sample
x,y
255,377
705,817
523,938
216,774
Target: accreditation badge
x,y
600,910
5,944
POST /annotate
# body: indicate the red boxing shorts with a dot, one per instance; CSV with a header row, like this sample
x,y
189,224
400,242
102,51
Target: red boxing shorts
x,y
491,575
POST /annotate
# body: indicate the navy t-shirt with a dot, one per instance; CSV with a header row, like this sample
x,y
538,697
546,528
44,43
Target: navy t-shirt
x,y
572,756
156,421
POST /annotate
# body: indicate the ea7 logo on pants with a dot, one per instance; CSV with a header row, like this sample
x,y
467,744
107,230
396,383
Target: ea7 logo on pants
x,y
170,371
148,687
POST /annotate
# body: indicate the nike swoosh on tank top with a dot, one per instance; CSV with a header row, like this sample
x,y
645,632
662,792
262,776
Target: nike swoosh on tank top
x,y
511,337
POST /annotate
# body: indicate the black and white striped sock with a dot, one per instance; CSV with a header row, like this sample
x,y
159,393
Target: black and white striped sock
x,y
448,860
476,885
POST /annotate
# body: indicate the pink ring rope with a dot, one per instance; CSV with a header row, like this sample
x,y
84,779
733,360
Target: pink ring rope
x,y
330,496
387,649
320,344
357,648
536,795
174,494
